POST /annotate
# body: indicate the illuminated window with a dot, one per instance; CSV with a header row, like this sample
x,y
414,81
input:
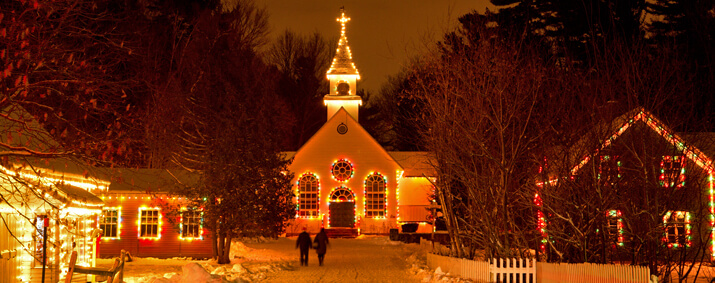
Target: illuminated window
x,y
149,223
191,224
342,170
672,172
342,194
677,229
308,189
614,226
375,196
609,169
109,222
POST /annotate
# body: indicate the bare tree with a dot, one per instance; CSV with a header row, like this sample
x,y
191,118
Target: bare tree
x,y
303,62
483,113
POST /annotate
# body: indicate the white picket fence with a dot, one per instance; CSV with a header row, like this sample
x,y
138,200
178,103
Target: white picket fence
x,y
525,271
591,273
512,270
464,268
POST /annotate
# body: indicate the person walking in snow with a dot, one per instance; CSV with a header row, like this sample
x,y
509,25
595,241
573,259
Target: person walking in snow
x,y
303,243
321,245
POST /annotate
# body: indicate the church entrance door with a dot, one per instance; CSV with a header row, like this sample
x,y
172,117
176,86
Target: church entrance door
x,y
342,214
342,208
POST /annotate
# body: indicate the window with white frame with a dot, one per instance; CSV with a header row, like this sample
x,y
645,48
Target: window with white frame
x,y
375,196
609,169
308,199
149,222
672,172
191,224
677,228
614,226
109,222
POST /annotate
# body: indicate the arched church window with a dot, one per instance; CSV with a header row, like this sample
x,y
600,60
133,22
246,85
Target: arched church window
x,y
308,195
343,88
375,196
342,170
342,194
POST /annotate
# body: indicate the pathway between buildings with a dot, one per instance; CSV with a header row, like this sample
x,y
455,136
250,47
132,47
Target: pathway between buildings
x,y
370,259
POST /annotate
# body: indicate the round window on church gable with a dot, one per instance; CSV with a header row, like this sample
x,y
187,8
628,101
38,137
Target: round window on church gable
x,y
342,170
343,88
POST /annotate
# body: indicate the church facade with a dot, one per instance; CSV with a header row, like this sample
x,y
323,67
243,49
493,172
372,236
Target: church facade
x,y
344,179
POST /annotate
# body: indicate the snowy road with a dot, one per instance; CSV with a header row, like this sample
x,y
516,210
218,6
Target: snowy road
x,y
366,259
371,259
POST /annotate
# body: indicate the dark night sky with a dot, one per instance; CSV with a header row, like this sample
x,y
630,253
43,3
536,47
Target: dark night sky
x,y
382,34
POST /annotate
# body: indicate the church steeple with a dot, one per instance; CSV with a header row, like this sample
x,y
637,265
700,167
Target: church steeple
x,y
343,77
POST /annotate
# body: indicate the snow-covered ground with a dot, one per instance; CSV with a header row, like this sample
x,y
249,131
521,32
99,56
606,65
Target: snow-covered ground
x,y
365,259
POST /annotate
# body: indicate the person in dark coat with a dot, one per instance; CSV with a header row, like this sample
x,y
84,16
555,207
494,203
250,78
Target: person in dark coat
x,y
321,245
304,244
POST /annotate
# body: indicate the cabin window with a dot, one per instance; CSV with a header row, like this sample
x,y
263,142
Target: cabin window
x,y
677,229
614,226
109,223
609,169
149,223
672,172
191,224
308,195
375,196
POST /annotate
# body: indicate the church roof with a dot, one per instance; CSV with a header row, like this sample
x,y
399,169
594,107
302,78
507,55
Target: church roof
x,y
128,180
343,61
415,163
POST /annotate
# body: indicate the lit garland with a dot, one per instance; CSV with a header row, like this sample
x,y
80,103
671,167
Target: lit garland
x,y
712,216
119,222
343,42
672,172
375,177
337,195
159,223
397,194
200,223
616,214
678,215
310,213
342,170
541,223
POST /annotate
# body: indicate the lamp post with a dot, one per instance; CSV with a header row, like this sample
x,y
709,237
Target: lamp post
x,y
45,224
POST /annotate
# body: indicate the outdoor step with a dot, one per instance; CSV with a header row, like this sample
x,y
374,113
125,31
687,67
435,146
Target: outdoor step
x,y
341,232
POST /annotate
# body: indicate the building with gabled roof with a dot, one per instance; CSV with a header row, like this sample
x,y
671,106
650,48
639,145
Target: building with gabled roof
x,y
345,180
48,202
640,183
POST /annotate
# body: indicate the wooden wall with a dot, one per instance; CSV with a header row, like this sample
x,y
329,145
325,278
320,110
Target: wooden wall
x,y
168,246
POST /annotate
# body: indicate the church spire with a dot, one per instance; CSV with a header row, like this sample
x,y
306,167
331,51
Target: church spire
x,y
343,61
343,76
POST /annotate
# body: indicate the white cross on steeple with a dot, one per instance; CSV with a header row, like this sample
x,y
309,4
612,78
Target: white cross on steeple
x,y
342,20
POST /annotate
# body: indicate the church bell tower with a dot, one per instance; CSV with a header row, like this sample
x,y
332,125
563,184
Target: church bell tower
x,y
343,77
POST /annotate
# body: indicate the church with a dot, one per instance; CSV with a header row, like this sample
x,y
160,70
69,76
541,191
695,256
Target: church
x,y
345,180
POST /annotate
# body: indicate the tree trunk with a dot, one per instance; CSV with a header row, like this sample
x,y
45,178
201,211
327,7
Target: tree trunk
x,y
226,251
451,221
214,242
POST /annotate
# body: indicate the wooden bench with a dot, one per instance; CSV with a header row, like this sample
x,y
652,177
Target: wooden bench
x,y
115,274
